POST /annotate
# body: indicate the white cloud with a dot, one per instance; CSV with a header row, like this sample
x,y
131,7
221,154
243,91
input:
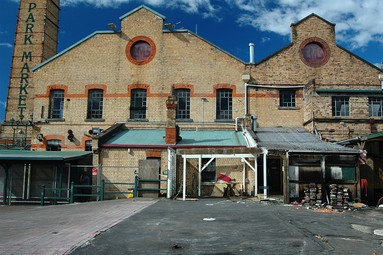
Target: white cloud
x,y
2,106
358,22
202,7
265,39
8,45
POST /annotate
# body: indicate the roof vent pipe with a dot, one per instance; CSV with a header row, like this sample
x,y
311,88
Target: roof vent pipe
x,y
251,46
381,79
254,126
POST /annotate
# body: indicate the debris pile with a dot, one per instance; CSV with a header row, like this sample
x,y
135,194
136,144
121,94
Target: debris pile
x,y
339,196
313,194
333,198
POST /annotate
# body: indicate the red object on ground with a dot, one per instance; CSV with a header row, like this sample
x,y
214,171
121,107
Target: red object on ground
x,y
222,177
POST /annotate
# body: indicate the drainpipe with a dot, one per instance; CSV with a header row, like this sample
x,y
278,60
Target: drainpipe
x,y
246,84
184,180
256,176
286,181
265,152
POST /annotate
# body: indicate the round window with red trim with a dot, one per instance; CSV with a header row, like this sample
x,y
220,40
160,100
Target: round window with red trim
x,y
314,52
140,50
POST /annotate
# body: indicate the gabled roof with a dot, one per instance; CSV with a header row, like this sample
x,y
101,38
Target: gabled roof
x,y
326,21
310,16
297,140
70,48
118,32
202,39
353,54
139,8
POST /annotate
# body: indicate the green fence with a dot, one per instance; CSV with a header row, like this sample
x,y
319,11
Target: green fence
x,y
57,194
137,182
100,190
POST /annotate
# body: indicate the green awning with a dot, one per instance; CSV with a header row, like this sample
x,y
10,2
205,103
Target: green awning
x,y
23,155
350,91
375,135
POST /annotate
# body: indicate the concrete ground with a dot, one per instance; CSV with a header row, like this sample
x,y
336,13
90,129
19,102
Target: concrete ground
x,y
58,229
205,226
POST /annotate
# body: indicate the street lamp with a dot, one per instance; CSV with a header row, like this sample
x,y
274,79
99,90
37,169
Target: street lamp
x,y
19,123
15,126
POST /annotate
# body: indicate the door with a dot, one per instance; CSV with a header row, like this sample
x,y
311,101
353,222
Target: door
x,y
148,171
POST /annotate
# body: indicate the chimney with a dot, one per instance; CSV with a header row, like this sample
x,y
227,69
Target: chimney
x,y
251,46
171,131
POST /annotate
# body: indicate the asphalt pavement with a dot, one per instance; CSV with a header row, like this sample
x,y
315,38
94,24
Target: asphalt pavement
x,y
204,226
241,226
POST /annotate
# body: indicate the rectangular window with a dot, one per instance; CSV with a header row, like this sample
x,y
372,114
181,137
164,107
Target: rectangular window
x,y
88,145
209,173
95,104
375,105
340,106
138,104
56,104
183,103
224,104
287,98
53,145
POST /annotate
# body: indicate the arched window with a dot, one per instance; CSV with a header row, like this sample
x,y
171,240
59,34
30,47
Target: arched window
x,y
88,145
138,104
53,145
224,104
56,104
183,104
95,104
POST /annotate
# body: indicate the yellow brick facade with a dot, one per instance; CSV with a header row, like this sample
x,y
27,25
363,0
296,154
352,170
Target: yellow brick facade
x,y
181,59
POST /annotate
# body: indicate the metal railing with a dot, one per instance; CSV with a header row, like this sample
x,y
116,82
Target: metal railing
x,y
100,190
56,194
137,181
19,143
113,192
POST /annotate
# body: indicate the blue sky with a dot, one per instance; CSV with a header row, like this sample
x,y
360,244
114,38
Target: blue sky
x,y
229,24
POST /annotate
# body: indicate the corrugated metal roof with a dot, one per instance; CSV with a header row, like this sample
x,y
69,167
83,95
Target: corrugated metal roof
x,y
22,155
297,140
189,138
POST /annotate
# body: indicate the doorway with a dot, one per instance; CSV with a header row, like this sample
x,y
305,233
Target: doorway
x,y
274,176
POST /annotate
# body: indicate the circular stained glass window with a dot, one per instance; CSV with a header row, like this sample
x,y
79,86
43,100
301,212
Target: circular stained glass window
x,y
141,51
313,53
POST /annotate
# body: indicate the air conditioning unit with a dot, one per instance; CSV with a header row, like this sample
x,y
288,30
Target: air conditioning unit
x,y
95,131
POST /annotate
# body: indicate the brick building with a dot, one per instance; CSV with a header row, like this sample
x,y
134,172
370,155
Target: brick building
x,y
153,97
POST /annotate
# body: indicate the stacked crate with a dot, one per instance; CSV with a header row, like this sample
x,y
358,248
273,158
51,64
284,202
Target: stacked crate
x,y
339,195
313,194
